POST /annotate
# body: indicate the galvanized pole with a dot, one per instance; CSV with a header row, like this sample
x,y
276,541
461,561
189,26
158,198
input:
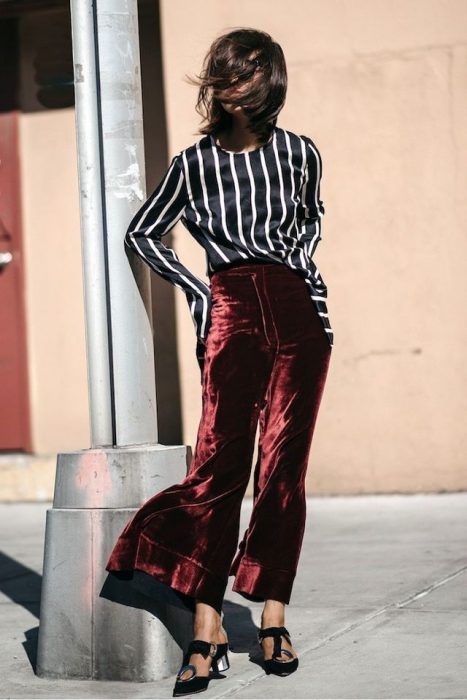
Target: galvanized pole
x,y
109,127
98,489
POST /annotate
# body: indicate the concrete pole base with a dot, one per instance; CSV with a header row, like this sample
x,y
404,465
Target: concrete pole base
x,y
93,625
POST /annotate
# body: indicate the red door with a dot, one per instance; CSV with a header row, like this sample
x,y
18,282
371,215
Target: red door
x,y
14,401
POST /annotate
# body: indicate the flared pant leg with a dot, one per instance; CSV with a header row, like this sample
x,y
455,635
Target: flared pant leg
x,y
267,559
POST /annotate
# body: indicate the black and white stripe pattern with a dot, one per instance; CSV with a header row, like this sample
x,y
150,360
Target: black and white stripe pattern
x,y
259,205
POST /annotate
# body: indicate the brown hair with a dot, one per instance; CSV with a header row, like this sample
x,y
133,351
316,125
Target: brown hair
x,y
242,57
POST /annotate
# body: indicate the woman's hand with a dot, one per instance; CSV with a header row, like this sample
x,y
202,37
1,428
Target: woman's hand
x,y
200,353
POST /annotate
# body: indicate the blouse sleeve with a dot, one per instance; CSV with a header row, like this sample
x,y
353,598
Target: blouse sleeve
x,y
312,205
155,218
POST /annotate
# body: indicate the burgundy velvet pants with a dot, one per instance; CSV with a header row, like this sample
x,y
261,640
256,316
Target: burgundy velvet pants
x,y
266,362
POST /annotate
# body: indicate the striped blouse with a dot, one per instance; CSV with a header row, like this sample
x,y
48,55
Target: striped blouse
x,y
260,205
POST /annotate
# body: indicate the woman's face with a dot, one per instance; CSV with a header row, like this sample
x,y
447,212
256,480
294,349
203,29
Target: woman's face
x,y
235,108
244,87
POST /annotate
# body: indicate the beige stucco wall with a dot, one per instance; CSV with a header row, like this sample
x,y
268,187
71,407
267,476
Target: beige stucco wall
x,y
380,87
54,296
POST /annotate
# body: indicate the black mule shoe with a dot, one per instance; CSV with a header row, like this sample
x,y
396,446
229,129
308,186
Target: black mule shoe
x,y
196,684
280,668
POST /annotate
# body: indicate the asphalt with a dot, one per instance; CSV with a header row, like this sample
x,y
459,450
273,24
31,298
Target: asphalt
x,y
378,608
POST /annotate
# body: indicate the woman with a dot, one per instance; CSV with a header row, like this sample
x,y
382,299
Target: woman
x,y
248,191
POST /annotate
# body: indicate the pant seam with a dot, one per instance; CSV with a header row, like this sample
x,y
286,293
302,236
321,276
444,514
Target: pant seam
x,y
248,561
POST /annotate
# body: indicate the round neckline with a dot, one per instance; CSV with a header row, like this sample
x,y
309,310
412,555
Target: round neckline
x,y
243,153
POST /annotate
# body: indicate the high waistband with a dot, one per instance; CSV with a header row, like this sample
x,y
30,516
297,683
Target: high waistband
x,y
244,262
246,268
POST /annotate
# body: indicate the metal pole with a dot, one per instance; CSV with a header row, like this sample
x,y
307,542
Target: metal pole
x,y
109,126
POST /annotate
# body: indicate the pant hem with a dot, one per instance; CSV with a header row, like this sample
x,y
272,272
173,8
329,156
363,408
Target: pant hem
x,y
175,570
259,583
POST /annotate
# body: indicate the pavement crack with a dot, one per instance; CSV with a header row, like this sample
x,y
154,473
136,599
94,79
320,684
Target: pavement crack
x,y
429,589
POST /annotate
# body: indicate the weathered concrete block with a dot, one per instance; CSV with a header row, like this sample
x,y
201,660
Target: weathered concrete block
x,y
92,624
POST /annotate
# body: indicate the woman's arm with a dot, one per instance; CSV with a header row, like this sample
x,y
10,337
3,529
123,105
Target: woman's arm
x,y
157,216
312,205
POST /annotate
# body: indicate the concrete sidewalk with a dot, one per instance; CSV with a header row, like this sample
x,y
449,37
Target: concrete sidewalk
x,y
378,608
